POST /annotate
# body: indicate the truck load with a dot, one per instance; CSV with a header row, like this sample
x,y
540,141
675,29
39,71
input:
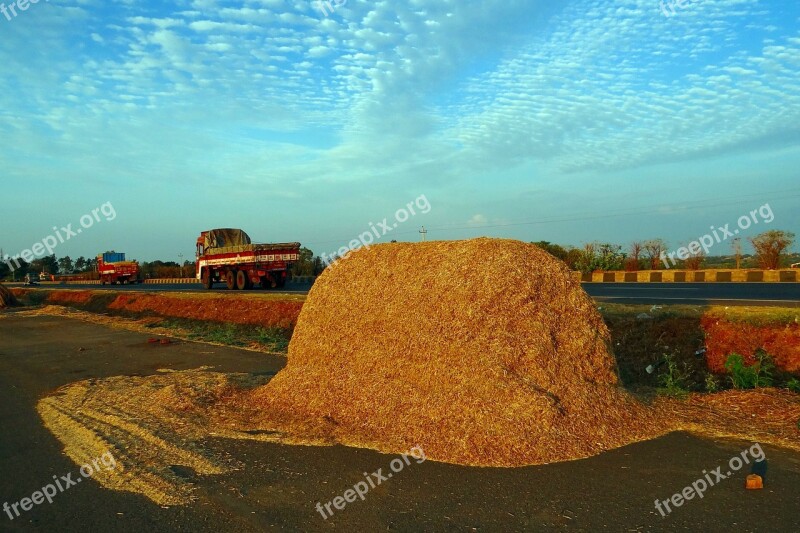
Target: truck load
x,y
228,255
113,269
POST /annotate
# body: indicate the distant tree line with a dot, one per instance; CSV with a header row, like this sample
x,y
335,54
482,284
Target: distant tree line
x,y
86,268
770,252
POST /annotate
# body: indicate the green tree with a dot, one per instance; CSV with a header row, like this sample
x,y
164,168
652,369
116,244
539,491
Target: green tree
x,y
5,270
553,249
65,265
305,265
600,256
80,264
47,264
573,258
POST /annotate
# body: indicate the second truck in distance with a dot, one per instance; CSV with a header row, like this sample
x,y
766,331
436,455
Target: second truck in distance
x,y
113,268
228,255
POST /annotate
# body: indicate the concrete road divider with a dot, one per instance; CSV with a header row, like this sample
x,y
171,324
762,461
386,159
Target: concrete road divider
x,y
692,276
171,281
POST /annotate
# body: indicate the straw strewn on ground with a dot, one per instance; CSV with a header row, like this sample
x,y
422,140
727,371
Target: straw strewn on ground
x,y
150,425
481,352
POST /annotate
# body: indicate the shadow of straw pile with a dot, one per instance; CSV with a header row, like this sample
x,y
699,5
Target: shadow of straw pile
x,y
482,352
7,299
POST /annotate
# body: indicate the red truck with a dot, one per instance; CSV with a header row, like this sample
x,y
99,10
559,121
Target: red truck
x,y
228,255
113,269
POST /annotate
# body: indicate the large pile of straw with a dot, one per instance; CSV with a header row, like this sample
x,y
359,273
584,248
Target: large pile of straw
x,y
7,299
483,352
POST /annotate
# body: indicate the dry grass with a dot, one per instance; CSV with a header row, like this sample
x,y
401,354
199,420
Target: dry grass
x,y
148,325
150,425
482,352
757,316
244,308
770,416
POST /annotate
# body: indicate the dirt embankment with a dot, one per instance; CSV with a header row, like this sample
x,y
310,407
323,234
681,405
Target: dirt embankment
x,y
636,343
256,309
727,335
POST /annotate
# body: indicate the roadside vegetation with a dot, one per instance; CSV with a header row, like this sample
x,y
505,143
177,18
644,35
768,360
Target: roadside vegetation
x,y
665,351
771,250
273,340
672,350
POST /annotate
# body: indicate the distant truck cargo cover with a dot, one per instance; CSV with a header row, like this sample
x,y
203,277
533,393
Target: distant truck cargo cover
x,y
113,257
223,238
113,268
229,255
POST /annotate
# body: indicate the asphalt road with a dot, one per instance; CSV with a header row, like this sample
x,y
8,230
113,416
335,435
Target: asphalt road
x,y
769,294
157,287
278,486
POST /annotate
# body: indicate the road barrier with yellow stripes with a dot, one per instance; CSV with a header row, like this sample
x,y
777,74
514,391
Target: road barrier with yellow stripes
x,y
642,276
692,276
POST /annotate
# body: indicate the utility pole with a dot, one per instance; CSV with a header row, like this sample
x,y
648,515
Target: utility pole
x,y
737,251
423,232
180,256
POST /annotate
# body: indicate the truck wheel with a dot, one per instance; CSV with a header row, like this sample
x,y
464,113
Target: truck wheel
x,y
230,280
208,281
242,281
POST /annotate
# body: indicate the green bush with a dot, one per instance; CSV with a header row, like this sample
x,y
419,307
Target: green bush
x,y
793,385
673,379
744,376
712,383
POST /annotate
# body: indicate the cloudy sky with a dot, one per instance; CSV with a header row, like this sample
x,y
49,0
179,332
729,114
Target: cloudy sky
x,y
567,121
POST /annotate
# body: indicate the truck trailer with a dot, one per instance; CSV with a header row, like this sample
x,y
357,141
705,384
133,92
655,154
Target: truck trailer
x,y
228,255
113,269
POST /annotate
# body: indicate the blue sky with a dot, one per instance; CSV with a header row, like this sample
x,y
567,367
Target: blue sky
x,y
565,121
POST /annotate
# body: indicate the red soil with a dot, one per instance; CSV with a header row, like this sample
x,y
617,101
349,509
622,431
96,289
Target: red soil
x,y
69,297
724,338
258,312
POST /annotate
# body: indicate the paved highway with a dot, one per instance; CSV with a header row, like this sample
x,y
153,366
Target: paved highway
x,y
156,287
778,294
773,294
